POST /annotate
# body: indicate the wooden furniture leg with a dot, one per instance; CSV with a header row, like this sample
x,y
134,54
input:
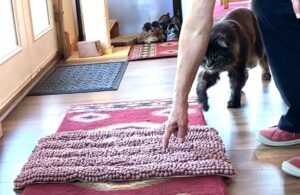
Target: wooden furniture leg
x,y
226,4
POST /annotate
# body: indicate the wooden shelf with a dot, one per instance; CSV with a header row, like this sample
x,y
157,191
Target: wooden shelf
x,y
114,28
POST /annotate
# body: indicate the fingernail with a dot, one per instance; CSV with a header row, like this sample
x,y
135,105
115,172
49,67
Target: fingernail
x,y
298,16
180,140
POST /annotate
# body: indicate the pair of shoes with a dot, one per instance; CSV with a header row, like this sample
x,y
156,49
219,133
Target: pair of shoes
x,y
147,27
175,20
154,32
149,34
274,136
164,20
173,32
164,29
173,29
156,27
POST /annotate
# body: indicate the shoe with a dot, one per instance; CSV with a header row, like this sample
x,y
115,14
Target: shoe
x,y
156,27
175,20
273,136
147,27
164,20
292,166
149,35
172,32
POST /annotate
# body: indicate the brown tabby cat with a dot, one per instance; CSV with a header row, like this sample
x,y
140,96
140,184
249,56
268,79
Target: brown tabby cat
x,y
235,45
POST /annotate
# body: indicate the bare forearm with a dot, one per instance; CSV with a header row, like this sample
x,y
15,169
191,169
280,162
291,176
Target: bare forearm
x,y
296,7
192,46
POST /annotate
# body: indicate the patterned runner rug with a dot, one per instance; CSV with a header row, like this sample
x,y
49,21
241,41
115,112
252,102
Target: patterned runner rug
x,y
129,115
155,50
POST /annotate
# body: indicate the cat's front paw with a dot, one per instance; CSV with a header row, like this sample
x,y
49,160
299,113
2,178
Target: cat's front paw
x,y
204,106
203,101
233,104
266,76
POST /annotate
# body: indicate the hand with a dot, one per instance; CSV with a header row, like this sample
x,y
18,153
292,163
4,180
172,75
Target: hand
x,y
296,7
177,124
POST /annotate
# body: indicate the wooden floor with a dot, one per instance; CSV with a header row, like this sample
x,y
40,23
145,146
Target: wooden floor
x,y
258,166
117,53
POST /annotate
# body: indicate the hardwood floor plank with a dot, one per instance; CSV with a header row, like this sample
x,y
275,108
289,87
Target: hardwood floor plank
x,y
21,153
9,171
6,189
263,182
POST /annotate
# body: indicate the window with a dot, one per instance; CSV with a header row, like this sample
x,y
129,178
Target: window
x,y
8,38
39,16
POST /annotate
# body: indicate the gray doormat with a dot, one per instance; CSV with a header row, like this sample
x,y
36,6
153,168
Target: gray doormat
x,y
82,78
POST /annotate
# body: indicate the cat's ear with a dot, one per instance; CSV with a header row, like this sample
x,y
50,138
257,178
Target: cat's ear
x,y
223,41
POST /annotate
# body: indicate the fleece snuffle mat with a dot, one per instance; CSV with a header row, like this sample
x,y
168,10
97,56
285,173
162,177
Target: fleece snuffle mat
x,y
123,155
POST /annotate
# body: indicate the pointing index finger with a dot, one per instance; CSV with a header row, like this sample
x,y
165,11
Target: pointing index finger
x,y
166,137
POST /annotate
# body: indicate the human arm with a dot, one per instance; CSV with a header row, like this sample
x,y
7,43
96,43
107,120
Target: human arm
x,y
296,7
193,43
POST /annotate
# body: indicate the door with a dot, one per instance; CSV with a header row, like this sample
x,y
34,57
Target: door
x,y
36,44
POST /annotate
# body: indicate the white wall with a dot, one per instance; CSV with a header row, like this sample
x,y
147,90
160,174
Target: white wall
x,y
132,14
96,23
185,7
69,19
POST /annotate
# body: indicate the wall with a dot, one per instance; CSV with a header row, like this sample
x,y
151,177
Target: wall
x,y
185,4
96,22
69,19
31,56
132,14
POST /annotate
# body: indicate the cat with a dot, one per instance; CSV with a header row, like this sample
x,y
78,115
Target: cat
x,y
235,46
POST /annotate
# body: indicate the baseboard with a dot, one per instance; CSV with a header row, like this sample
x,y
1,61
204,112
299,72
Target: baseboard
x,y
20,95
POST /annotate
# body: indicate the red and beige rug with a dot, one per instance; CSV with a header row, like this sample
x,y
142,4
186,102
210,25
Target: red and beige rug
x,y
155,50
127,115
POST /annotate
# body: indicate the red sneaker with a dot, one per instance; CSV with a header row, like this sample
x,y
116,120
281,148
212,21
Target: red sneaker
x,y
273,136
292,166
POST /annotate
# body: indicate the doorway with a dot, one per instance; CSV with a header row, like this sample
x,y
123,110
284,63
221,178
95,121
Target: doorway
x,y
131,17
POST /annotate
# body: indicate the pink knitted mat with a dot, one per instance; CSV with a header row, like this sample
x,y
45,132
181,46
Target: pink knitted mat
x,y
123,155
